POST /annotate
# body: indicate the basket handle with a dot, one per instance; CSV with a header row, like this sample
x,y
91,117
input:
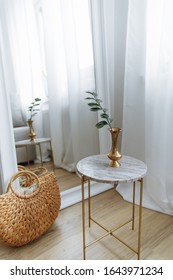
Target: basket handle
x,y
30,178
27,182
21,167
39,171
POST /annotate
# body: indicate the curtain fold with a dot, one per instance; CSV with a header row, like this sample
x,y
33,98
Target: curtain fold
x,y
108,19
148,99
70,72
102,21
22,51
20,34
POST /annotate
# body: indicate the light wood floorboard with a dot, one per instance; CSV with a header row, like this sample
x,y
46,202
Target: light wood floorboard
x,y
63,241
66,180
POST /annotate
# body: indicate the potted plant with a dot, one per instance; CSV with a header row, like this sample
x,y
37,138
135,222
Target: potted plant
x,y
96,106
33,109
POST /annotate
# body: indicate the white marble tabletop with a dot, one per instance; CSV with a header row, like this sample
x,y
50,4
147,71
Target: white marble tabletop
x,y
36,141
97,169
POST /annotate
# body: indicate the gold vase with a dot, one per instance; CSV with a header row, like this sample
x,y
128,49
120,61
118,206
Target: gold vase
x,y
114,154
32,133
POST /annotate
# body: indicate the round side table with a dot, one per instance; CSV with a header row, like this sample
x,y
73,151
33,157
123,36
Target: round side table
x,y
96,168
37,142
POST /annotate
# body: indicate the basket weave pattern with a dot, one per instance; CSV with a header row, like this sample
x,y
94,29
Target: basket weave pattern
x,y
24,218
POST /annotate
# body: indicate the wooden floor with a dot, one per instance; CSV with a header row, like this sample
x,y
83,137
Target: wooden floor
x,y
63,241
66,180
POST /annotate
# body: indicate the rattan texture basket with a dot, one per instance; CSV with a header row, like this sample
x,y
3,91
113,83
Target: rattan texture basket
x,y
24,218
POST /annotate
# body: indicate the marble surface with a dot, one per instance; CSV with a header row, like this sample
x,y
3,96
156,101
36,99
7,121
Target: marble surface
x,y
27,142
97,169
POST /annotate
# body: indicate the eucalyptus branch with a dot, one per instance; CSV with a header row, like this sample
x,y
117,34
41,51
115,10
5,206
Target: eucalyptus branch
x,y
34,107
95,105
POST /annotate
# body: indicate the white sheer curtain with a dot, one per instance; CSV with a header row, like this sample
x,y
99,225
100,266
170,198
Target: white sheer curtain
x,y
70,72
24,71
108,18
148,114
103,19
22,52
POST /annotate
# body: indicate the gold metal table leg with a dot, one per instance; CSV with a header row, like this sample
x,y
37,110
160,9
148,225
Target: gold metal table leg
x,y
53,165
83,180
133,208
89,204
27,156
83,217
40,154
140,218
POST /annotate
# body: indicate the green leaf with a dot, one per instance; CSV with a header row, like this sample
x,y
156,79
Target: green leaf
x,y
98,100
90,98
104,116
92,93
105,110
101,124
93,105
34,114
95,109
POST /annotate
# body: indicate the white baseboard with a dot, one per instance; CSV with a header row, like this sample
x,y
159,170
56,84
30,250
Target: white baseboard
x,y
74,195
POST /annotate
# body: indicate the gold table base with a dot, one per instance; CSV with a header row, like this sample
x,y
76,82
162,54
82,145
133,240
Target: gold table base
x,y
111,231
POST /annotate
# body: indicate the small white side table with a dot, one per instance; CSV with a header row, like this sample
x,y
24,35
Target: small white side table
x,y
96,168
36,142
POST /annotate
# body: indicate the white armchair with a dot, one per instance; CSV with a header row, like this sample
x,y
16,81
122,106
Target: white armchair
x,y
21,131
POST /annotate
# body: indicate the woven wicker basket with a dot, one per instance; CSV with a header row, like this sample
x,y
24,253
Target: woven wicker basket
x,y
25,217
